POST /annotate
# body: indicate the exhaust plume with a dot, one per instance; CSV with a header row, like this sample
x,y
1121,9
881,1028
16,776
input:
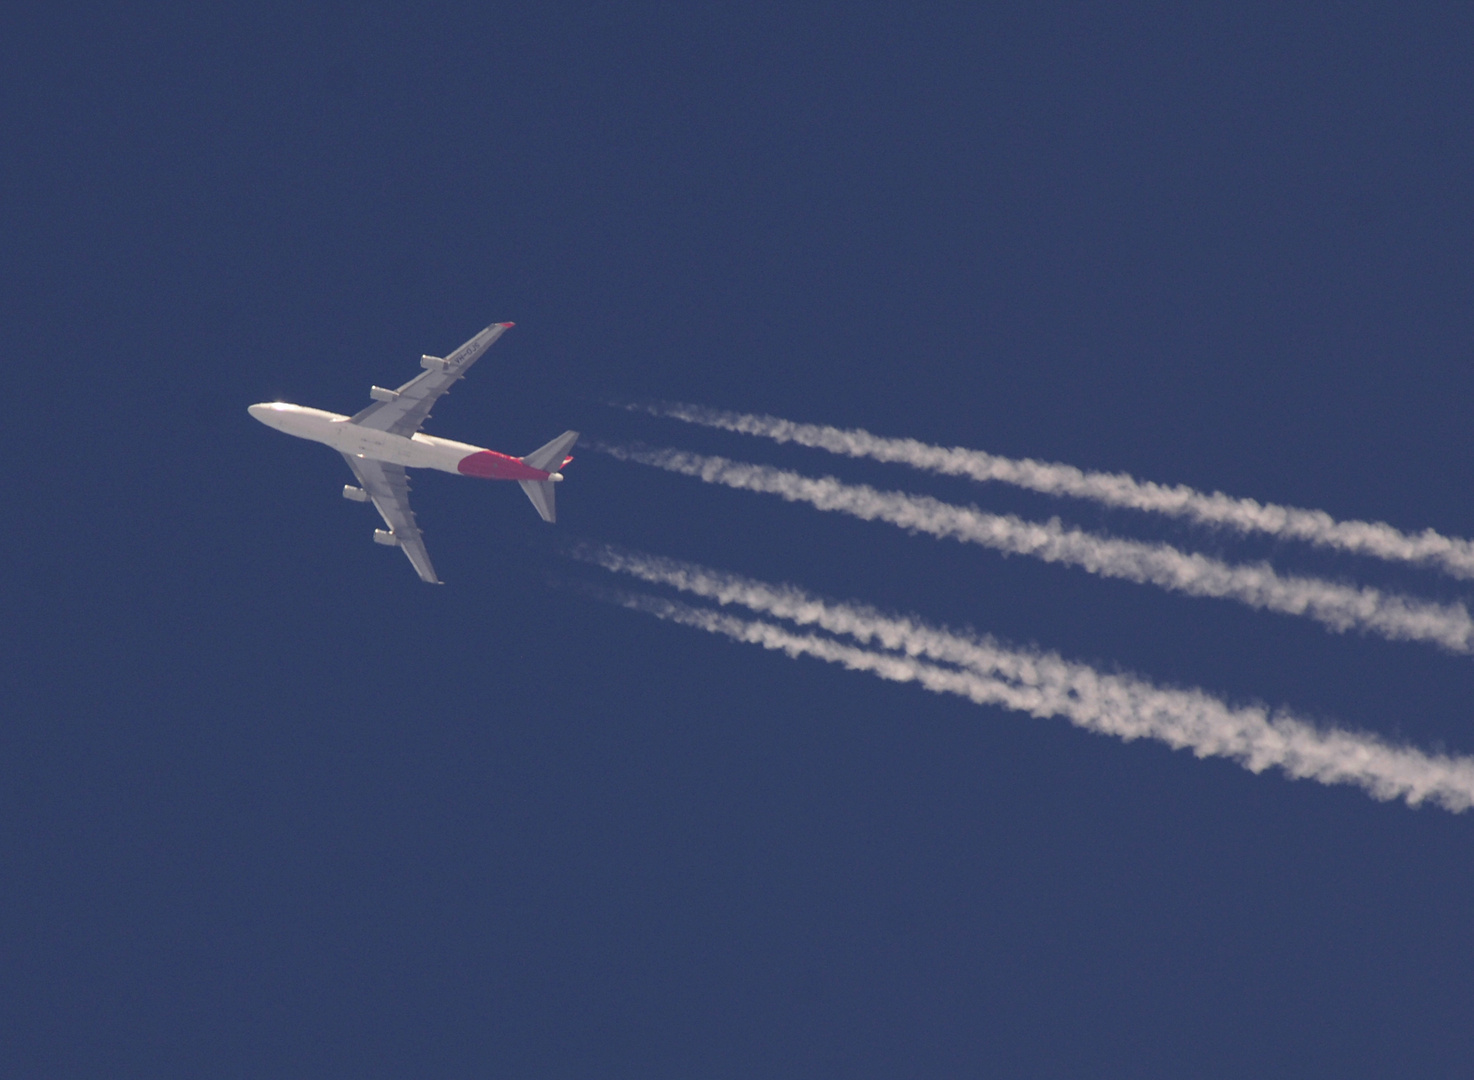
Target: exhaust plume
x,y
1045,685
1338,607
1451,555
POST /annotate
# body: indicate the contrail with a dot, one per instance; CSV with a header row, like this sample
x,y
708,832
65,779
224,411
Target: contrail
x,y
1046,685
1451,555
1339,607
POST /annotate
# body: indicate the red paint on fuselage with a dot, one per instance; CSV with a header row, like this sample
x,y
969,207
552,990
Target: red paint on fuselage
x,y
489,465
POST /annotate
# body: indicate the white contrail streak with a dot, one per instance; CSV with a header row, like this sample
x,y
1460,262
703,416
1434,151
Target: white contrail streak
x,y
1046,685
1452,555
1339,607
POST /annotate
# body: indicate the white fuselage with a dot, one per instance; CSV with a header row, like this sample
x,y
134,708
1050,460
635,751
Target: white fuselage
x,y
415,451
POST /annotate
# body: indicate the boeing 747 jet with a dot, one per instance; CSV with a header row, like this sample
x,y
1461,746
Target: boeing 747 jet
x,y
381,441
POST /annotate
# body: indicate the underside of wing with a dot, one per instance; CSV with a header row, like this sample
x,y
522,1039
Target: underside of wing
x,y
388,486
404,411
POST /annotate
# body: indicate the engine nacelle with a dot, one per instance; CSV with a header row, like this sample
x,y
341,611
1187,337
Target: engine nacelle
x,y
434,363
388,539
356,494
378,393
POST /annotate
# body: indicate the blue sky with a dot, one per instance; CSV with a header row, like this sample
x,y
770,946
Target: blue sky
x,y
270,805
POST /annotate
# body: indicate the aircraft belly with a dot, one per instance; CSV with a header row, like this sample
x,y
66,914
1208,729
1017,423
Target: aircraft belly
x,y
428,452
416,453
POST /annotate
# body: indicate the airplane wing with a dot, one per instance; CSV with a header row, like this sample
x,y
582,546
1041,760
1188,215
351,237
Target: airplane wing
x,y
403,411
388,487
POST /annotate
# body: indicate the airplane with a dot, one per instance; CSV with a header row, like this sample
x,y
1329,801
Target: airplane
x,y
379,442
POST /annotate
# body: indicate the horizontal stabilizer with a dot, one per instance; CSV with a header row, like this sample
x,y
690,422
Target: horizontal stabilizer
x,y
549,458
541,494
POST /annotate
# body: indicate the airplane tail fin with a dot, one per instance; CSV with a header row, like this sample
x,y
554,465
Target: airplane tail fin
x,y
541,494
549,458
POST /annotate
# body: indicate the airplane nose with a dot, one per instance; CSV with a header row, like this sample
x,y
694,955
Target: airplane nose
x,y
270,413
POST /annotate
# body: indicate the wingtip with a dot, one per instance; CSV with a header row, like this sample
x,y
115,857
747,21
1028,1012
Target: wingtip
x,y
506,325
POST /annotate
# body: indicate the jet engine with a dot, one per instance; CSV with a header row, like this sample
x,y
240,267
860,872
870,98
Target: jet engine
x,y
434,363
388,539
357,494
